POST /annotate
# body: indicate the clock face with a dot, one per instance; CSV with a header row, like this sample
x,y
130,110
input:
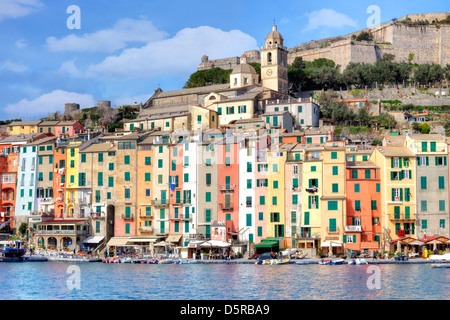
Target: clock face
x,y
269,72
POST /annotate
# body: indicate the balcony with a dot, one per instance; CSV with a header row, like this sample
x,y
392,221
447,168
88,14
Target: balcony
x,y
227,187
146,229
333,230
353,229
128,217
291,158
226,206
182,216
176,201
97,216
402,217
160,203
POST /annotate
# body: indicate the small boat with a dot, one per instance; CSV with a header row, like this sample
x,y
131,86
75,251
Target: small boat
x,y
325,262
337,262
166,261
186,262
12,254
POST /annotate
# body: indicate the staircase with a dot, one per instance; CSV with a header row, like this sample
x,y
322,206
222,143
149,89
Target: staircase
x,y
100,250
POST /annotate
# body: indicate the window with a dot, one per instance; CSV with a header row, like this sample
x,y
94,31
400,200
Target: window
x,y
248,202
127,176
110,181
294,199
334,155
374,204
441,205
367,174
424,224
100,157
423,183
147,176
357,188
249,220
440,161
100,179
275,184
262,200
127,193
332,225
358,205
208,197
354,174
274,201
111,166
335,187
442,223
208,178
160,163
423,205
377,187
148,161
441,182
332,205
275,168
424,147
126,159
335,170
394,163
314,169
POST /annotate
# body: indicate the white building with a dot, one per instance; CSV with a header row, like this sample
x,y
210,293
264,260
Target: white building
x,y
305,111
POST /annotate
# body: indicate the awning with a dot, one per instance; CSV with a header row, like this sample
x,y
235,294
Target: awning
x,y
215,243
173,238
267,244
118,242
333,244
195,244
135,240
162,244
93,239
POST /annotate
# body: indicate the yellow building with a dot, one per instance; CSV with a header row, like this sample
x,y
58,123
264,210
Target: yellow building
x,y
333,200
398,192
275,195
312,192
181,117
23,127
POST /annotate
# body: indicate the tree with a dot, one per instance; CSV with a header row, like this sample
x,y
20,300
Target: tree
x,y
23,228
416,127
208,77
386,120
425,128
364,36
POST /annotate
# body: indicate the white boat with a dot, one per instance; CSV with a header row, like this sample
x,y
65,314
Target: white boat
x,y
358,261
440,257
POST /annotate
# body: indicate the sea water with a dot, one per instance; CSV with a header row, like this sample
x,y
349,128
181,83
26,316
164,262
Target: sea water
x,y
98,281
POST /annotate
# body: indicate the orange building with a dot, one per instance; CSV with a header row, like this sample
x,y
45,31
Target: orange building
x,y
363,229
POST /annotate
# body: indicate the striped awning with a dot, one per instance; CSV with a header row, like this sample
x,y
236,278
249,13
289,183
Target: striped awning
x,y
117,242
173,238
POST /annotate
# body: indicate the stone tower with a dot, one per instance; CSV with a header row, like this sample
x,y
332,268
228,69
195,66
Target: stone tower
x,y
274,69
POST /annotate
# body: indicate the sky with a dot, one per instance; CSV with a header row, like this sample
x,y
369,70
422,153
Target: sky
x,y
84,51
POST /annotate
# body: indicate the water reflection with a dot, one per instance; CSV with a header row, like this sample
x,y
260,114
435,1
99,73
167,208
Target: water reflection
x,y
223,281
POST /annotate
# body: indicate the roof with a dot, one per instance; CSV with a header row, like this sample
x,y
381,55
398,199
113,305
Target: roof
x,y
361,164
198,90
49,123
67,123
397,141
426,136
274,34
67,220
24,123
20,138
275,113
243,68
395,151
44,140
98,147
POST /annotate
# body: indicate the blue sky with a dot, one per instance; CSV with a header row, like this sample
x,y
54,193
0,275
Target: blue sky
x,y
124,50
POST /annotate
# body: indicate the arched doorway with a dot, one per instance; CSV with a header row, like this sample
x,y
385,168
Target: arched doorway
x,y
66,243
110,215
51,242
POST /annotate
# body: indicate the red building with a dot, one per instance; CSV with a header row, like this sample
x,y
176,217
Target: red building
x,y
363,230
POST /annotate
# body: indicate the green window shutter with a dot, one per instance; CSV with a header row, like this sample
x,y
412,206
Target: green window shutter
x,y
100,157
249,220
358,205
357,188
335,170
424,147
397,227
367,173
354,238
424,224
441,182
374,204
208,178
332,225
127,212
423,183
127,176
110,181
249,183
309,202
317,202
354,174
407,212
228,216
334,155
423,205
249,167
441,205
335,187
208,197
147,176
261,216
433,146
100,179
174,165
306,222
392,162
275,184
332,205
295,183
407,194
111,166
427,160
127,228
274,201
160,163
227,161
401,194
393,194
294,199
377,187
262,200
442,223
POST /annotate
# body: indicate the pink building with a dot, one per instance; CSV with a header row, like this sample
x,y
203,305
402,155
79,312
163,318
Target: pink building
x,y
68,128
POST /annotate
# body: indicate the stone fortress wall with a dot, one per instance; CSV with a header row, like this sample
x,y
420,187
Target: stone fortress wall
x,y
426,43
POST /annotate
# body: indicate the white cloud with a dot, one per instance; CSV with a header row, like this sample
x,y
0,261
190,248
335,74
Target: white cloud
x,y
49,102
11,9
328,18
179,55
21,44
125,31
13,67
69,68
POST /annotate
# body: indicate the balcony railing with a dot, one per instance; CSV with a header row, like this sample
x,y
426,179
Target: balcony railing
x,y
402,216
226,206
176,201
62,232
333,230
352,228
160,203
146,229
128,217
227,187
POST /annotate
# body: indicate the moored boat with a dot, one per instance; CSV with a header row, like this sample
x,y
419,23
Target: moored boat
x,y
12,253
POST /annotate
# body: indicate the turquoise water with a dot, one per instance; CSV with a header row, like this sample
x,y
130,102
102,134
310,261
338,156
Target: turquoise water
x,y
55,281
